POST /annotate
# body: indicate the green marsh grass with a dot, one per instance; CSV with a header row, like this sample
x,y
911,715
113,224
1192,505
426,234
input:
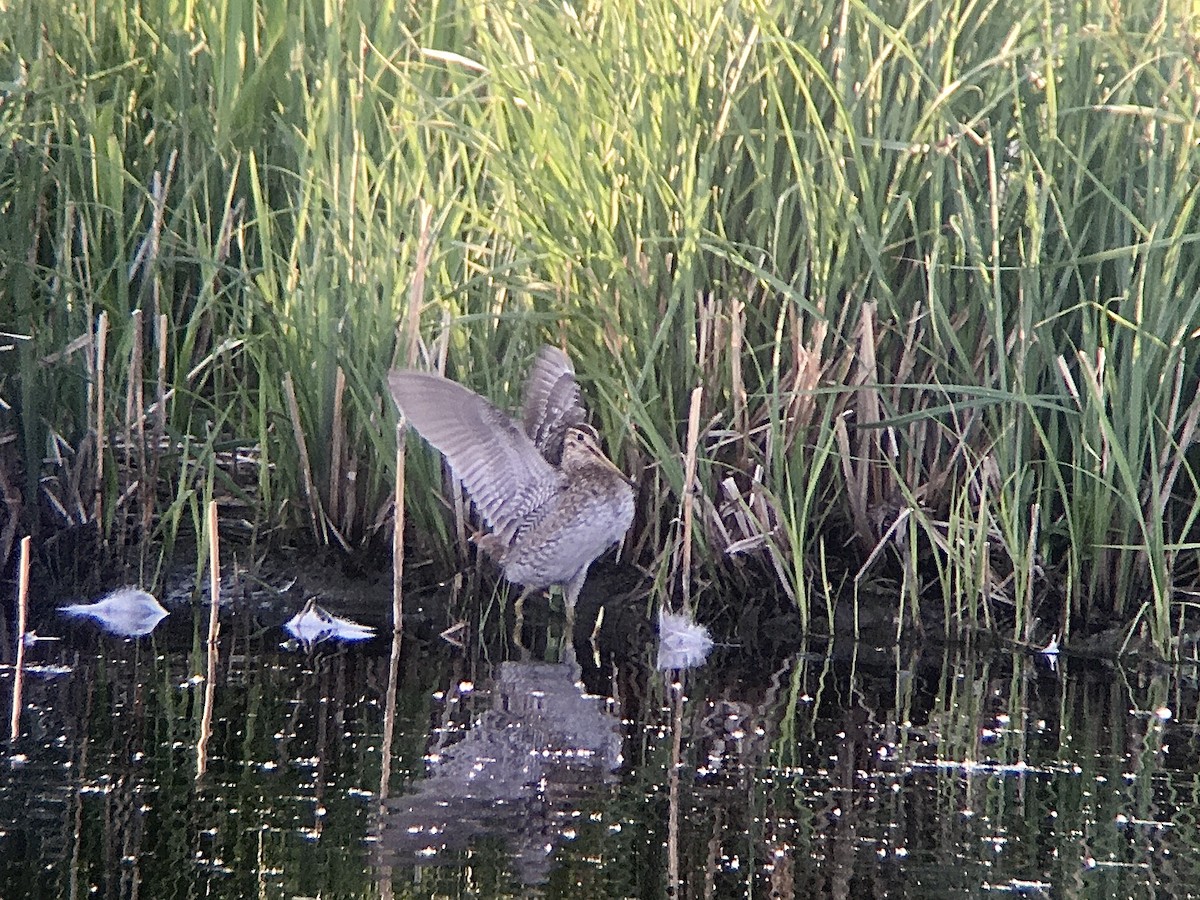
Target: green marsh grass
x,y
934,267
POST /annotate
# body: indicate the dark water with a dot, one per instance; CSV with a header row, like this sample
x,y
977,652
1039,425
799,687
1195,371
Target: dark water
x,y
821,770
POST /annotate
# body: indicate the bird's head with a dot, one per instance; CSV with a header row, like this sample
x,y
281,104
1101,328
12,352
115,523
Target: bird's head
x,y
581,448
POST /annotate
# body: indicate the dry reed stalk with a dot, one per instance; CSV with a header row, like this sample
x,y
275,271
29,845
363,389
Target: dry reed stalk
x,y
766,519
705,306
416,296
1035,512
160,388
863,481
14,730
389,722
135,421
739,512
214,572
350,490
132,384
689,492
83,342
214,631
335,450
674,880
805,377
776,390
737,323
718,339
866,397
147,253
398,532
856,488
306,478
719,535
1068,380
159,192
755,519
839,367
461,542
758,504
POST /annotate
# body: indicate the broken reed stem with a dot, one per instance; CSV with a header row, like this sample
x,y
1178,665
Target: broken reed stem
x,y
214,573
416,294
689,480
867,405
398,533
160,390
214,630
674,881
335,449
1026,610
389,721
14,725
737,327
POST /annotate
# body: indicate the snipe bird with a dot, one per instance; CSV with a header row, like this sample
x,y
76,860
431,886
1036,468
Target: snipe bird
x,y
552,499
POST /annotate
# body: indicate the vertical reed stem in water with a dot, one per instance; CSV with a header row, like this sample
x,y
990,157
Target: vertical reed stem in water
x,y
398,533
689,493
14,730
210,681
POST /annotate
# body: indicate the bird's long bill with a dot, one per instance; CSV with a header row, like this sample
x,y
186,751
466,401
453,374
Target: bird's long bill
x,y
600,457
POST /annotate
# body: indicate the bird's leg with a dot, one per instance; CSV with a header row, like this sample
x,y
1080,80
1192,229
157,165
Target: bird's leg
x,y
519,606
570,594
519,620
596,627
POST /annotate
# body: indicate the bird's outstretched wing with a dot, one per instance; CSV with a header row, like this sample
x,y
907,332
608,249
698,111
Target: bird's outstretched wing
x,y
499,465
551,403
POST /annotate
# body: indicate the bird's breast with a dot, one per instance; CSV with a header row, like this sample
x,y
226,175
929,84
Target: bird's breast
x,y
586,517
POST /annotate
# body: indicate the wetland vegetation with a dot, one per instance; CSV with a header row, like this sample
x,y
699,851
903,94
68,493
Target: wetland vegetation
x,y
932,268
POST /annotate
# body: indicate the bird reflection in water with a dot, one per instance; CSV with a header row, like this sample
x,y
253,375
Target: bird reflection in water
x,y
520,773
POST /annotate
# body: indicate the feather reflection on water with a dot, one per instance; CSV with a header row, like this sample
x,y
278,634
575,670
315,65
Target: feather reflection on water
x,y
126,612
315,624
682,642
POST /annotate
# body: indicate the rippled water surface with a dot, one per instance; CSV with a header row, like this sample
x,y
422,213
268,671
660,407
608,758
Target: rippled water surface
x,y
426,769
